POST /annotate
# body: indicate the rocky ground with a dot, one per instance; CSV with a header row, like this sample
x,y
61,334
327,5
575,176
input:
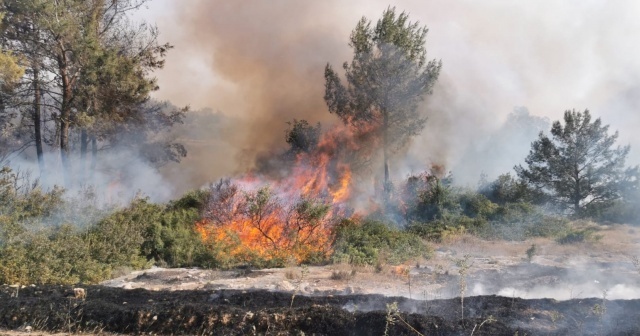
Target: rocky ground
x,y
589,288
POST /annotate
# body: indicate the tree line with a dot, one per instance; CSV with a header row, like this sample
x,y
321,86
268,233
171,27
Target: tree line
x,y
76,79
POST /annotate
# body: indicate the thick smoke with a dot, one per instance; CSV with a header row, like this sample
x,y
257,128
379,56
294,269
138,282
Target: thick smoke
x,y
262,62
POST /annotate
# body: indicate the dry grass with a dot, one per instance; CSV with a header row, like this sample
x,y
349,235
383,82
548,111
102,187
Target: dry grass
x,y
343,275
343,272
292,274
475,246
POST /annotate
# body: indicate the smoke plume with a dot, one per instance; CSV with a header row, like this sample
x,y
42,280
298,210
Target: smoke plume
x,y
261,63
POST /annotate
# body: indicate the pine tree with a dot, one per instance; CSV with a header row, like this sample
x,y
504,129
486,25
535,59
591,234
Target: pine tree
x,y
387,80
578,167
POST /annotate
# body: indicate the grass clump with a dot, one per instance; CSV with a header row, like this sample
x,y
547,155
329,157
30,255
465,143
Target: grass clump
x,y
531,252
343,274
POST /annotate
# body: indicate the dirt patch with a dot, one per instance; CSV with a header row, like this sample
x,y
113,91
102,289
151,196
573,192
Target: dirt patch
x,y
231,312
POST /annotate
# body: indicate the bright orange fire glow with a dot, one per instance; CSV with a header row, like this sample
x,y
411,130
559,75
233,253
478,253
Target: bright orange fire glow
x,y
281,230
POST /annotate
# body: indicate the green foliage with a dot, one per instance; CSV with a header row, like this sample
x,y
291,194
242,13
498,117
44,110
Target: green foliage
x,y
506,189
92,68
436,210
475,205
578,167
49,237
23,203
10,70
427,197
579,235
620,212
116,239
53,255
301,136
438,231
387,79
171,239
519,221
373,242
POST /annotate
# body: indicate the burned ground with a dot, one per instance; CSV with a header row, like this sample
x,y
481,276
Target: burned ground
x,y
246,302
231,312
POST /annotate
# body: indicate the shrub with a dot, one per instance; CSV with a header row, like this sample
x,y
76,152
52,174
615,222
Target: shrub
x,y
171,240
343,274
619,211
507,189
23,204
579,235
55,255
372,242
476,205
437,231
48,238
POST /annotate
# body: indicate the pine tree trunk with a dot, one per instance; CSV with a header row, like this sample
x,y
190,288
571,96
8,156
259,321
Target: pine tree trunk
x,y
65,116
37,119
84,144
94,158
578,192
385,158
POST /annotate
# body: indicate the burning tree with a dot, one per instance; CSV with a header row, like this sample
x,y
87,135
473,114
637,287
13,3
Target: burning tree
x,y
387,79
286,207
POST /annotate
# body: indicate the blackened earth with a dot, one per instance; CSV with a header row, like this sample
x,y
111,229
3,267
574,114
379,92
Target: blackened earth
x,y
232,312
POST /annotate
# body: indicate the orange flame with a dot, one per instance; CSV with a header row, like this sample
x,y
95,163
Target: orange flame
x,y
283,232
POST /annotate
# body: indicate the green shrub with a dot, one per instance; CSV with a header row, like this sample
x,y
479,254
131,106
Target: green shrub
x,y
54,255
519,221
116,239
476,205
579,235
373,242
48,238
23,204
619,211
171,240
437,231
507,189
547,226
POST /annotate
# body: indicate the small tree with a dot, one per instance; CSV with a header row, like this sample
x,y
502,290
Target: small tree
x,y
578,167
507,189
301,136
387,79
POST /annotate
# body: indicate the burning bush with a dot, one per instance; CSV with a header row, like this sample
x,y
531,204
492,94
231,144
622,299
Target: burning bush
x,y
266,227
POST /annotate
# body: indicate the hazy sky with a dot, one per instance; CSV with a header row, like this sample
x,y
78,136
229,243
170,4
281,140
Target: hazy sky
x,y
263,61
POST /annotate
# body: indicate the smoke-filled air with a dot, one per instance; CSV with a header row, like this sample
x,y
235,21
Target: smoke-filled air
x,y
319,167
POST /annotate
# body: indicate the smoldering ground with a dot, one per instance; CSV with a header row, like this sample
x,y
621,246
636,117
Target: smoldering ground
x,y
263,62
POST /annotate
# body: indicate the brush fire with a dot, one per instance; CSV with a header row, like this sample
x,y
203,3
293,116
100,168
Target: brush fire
x,y
288,215
402,198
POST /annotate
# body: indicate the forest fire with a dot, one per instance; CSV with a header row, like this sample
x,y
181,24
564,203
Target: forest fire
x,y
257,217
